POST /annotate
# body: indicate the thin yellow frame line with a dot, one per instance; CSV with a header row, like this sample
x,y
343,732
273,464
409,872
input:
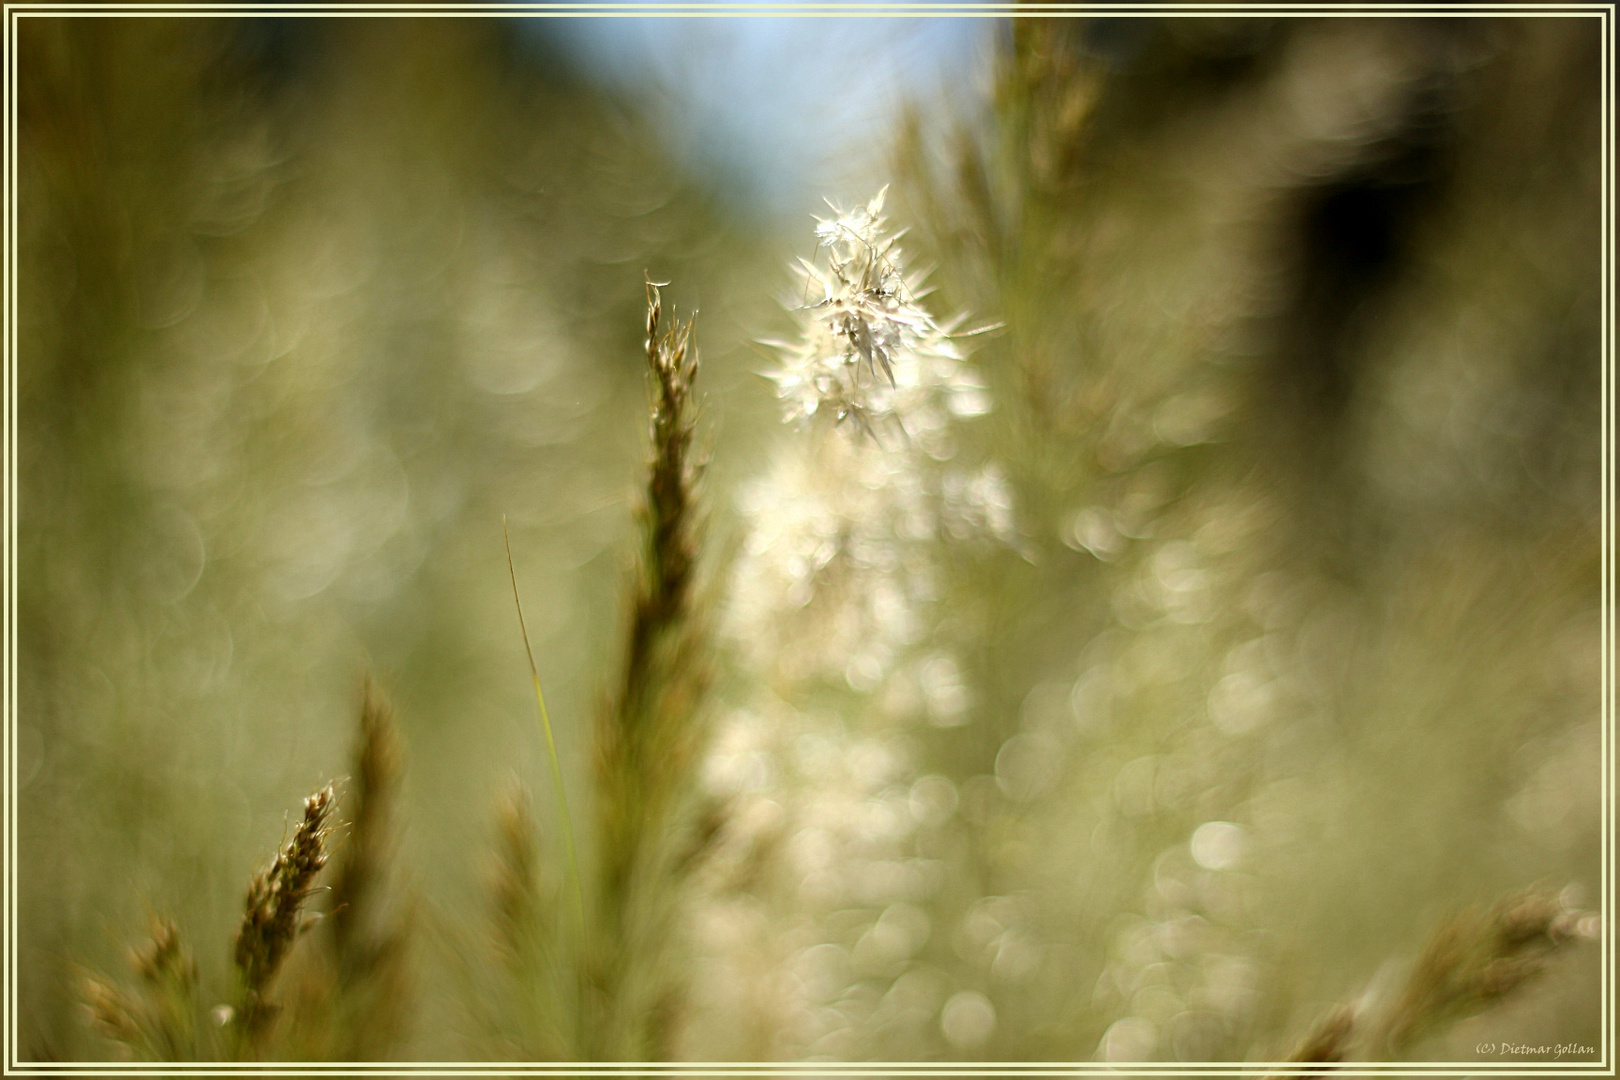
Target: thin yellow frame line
x,y
1356,12
647,10
1604,531
1606,240
779,1068
13,1010
869,1068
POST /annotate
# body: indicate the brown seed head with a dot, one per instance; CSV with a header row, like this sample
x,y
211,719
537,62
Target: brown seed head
x,y
1329,1040
162,958
109,1011
271,920
1477,958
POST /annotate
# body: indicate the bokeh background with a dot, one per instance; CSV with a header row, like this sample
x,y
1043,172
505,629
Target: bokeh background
x,y
1253,629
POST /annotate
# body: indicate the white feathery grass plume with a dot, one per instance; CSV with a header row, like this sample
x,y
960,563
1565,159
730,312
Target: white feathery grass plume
x,y
843,530
834,591
869,352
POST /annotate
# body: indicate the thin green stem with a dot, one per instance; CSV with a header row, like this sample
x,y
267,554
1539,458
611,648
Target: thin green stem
x,y
551,743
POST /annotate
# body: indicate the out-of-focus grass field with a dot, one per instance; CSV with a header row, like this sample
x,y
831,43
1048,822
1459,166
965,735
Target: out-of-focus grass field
x,y
1251,634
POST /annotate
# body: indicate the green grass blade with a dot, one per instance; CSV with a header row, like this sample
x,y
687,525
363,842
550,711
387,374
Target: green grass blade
x,y
551,742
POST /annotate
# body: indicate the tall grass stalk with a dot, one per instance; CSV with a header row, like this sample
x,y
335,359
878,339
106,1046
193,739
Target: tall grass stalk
x,y
363,862
650,733
620,998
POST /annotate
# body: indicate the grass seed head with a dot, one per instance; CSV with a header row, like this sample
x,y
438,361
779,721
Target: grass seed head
x,y
1478,957
1329,1040
868,352
273,916
110,1012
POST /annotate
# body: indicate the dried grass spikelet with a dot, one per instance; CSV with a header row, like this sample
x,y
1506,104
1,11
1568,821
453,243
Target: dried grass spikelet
x,y
646,739
531,1019
158,1021
168,977
1049,88
363,865
368,926
650,734
111,1013
1472,961
1006,207
976,192
515,894
1329,1040
1478,957
273,918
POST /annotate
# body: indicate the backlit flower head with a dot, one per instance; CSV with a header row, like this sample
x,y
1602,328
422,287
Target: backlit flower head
x,y
869,352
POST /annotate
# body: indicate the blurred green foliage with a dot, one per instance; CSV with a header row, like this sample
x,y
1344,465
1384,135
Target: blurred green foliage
x,y
1292,645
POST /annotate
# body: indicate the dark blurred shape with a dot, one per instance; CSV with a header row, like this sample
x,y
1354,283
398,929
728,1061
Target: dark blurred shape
x,y
1355,235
